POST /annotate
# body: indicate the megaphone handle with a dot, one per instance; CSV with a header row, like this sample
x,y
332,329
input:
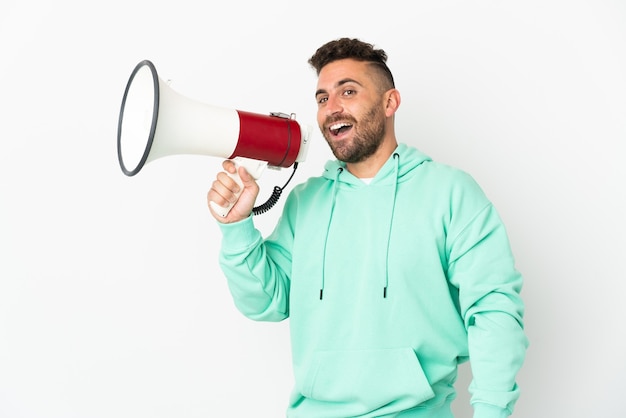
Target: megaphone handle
x,y
254,167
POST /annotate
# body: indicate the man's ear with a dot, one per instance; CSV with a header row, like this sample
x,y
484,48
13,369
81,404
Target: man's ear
x,y
392,99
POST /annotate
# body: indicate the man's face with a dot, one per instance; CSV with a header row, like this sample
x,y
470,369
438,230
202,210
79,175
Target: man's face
x,y
350,111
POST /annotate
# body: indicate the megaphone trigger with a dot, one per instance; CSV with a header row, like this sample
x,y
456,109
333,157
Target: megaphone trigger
x,y
254,167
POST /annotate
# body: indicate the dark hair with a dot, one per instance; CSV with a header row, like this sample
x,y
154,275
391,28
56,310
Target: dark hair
x,y
354,49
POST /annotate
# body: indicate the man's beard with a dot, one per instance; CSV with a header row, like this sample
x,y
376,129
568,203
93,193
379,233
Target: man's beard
x,y
366,140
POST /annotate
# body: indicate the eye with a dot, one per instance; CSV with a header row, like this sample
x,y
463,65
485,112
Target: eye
x,y
349,92
322,99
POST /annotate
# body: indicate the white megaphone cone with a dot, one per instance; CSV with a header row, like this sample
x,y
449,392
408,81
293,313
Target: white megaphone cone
x,y
155,121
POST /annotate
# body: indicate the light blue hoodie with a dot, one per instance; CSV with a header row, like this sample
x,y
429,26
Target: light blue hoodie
x,y
387,287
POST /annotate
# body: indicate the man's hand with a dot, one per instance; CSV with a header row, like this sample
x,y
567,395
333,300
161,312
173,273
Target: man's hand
x,y
225,191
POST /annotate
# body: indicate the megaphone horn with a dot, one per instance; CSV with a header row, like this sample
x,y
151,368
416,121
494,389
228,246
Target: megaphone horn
x,y
155,121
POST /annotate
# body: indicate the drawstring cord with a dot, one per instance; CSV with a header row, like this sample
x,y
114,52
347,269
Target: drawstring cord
x,y
396,158
330,220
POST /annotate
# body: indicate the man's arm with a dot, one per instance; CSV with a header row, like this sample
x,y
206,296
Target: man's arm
x,y
482,266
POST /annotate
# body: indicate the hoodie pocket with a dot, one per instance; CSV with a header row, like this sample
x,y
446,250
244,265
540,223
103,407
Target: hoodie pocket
x,y
370,378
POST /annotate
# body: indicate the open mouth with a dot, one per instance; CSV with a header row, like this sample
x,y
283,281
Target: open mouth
x,y
339,128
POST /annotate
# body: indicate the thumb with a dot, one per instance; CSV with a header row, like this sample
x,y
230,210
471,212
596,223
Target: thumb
x,y
246,178
248,182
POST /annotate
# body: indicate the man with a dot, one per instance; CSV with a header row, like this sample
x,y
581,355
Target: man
x,y
392,268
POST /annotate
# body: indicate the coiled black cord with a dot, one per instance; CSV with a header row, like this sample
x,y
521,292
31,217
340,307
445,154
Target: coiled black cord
x,y
271,201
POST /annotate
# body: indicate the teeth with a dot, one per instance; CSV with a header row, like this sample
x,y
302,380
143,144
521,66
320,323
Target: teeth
x,y
338,126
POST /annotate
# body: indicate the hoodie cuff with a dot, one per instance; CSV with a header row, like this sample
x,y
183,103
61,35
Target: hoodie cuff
x,y
483,410
238,235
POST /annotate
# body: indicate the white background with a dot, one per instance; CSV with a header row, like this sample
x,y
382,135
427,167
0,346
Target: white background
x,y
111,300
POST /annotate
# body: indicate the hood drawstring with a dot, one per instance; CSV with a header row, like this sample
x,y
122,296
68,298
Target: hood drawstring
x,y
396,159
330,220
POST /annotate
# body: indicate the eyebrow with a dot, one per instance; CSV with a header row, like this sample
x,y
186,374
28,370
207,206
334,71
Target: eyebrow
x,y
339,83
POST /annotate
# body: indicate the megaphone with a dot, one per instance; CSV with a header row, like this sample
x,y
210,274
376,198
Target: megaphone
x,y
155,121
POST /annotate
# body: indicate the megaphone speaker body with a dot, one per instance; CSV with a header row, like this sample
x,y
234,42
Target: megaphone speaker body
x,y
156,121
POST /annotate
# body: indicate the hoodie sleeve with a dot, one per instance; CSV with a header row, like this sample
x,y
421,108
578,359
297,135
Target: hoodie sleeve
x,y
257,277
481,266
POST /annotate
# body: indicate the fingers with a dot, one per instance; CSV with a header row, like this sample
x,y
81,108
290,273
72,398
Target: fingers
x,y
224,190
235,188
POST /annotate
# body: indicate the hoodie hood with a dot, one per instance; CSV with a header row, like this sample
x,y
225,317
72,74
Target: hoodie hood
x,y
407,159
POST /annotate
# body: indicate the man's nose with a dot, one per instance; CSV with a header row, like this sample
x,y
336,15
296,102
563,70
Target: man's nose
x,y
333,106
